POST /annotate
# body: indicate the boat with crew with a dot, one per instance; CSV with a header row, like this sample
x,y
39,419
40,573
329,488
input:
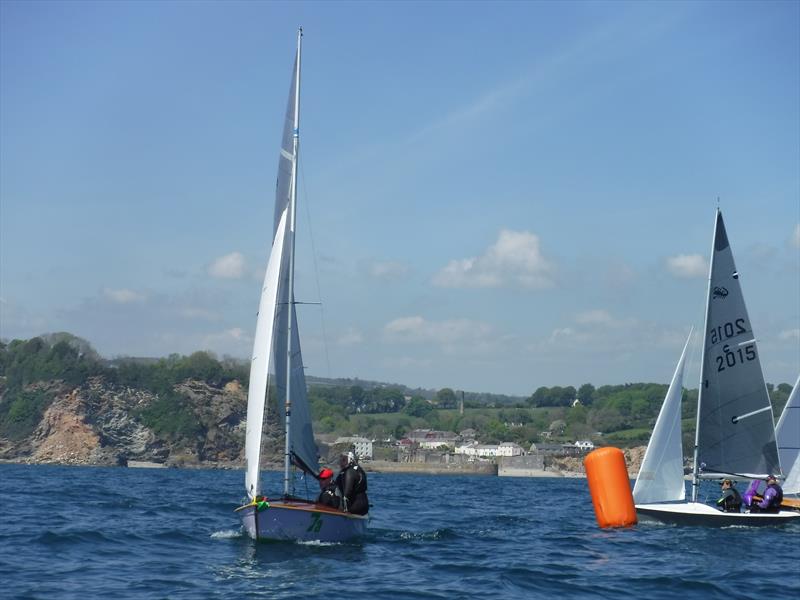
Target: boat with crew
x,y
735,431
277,370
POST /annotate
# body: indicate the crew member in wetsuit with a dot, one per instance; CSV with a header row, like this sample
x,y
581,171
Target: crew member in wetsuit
x,y
327,486
352,484
731,500
771,499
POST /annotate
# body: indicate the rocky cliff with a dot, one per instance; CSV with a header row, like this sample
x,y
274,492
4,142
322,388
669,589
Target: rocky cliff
x,y
97,423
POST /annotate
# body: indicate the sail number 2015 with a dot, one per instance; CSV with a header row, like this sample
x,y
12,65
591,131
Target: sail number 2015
x,y
727,330
730,358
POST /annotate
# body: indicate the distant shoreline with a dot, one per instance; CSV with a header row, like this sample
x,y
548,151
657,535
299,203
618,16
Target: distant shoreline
x,y
375,466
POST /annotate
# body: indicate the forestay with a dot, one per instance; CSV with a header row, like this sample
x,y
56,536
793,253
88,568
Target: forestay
x,y
735,424
660,477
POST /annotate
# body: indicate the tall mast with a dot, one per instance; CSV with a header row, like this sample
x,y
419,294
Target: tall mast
x,y
695,466
293,221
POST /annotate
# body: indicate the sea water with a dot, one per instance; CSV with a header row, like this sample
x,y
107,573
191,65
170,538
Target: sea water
x,y
75,532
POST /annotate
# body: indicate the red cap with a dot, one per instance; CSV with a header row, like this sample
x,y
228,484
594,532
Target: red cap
x,y
325,474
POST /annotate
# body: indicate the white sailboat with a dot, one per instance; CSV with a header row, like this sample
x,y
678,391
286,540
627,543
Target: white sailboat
x,y
735,434
787,432
277,367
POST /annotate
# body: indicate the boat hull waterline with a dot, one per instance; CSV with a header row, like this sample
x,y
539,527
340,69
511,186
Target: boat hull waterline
x,y
301,521
696,513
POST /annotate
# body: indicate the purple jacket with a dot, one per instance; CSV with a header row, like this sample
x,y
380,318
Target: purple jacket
x,y
773,496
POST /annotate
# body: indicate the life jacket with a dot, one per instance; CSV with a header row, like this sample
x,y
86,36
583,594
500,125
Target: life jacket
x,y
361,482
777,499
354,478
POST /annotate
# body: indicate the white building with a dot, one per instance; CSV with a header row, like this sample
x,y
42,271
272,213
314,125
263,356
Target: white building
x,y
433,439
486,450
362,446
585,445
510,449
467,448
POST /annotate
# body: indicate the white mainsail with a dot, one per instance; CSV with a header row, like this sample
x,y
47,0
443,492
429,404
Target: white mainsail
x,y
735,426
660,477
259,365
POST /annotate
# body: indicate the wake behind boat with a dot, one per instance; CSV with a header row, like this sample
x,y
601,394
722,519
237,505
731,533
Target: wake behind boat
x,y
735,432
277,369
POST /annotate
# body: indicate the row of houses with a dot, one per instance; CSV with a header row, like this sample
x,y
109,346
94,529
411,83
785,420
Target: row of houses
x,y
463,443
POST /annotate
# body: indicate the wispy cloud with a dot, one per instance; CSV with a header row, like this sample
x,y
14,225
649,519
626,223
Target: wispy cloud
x,y
351,337
789,334
596,316
230,266
515,259
202,314
417,329
123,296
796,236
406,362
599,328
387,270
687,265
228,341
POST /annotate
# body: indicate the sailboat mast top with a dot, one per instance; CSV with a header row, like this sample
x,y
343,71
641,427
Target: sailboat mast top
x,y
292,227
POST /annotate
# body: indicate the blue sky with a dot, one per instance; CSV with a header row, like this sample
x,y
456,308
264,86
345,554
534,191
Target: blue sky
x,y
493,196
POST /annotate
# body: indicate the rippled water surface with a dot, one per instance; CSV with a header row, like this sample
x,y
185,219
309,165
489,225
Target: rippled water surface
x,y
69,532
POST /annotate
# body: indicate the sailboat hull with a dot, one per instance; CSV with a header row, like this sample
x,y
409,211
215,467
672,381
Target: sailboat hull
x,y
301,521
697,514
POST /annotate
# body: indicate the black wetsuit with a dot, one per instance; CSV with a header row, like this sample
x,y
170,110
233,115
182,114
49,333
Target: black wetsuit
x,y
352,482
328,496
731,500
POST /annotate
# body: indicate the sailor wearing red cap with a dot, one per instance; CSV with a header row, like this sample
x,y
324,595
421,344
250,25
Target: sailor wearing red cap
x,y
327,486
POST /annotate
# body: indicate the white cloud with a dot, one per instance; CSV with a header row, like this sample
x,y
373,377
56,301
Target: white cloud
x,y
417,329
598,328
406,362
230,266
202,314
351,337
796,236
514,259
687,265
597,316
789,335
123,296
388,270
230,341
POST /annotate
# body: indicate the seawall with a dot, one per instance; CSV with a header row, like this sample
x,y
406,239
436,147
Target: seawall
x,y
383,466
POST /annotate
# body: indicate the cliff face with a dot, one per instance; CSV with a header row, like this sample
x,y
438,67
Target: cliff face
x,y
100,424
633,460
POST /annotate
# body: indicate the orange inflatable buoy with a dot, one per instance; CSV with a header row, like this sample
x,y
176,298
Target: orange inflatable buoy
x,y
610,487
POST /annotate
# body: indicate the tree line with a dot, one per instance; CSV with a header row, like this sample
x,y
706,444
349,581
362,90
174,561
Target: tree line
x,y
623,414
